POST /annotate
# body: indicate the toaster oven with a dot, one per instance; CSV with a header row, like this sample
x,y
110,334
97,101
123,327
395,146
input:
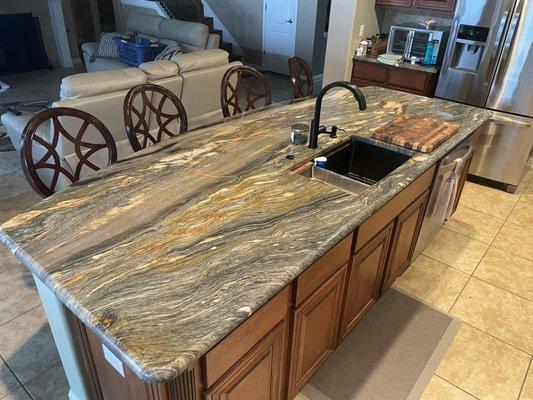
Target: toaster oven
x,y
411,42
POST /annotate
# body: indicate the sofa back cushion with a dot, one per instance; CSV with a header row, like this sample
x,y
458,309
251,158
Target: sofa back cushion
x,y
95,83
192,36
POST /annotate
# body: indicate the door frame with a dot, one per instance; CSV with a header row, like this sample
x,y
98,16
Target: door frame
x,y
265,26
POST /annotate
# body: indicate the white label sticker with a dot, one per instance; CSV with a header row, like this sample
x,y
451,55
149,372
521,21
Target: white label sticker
x,y
114,361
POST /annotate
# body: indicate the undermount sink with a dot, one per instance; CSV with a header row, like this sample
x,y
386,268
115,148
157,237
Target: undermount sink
x,y
358,164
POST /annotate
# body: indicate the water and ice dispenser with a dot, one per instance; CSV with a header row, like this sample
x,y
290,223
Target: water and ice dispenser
x,y
470,46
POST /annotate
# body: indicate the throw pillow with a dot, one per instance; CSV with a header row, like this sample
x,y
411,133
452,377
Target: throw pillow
x,y
107,48
170,51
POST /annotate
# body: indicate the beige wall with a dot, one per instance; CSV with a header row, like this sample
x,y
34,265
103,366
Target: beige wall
x,y
346,18
39,9
244,20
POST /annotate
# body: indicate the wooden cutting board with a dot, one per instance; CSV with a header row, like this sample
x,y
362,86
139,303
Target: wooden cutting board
x,y
418,133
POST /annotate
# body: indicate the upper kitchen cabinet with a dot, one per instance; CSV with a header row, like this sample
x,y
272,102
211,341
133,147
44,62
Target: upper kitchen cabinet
x,y
444,5
403,3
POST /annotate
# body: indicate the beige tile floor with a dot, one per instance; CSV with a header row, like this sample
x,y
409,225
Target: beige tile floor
x,y
479,269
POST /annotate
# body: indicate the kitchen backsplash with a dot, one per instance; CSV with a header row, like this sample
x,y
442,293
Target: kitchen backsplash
x,y
388,16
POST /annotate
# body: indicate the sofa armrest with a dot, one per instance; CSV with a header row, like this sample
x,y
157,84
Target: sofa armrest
x,y
213,41
201,59
89,51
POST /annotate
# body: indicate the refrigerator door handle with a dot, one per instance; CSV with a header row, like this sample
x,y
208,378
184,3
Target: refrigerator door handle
x,y
509,41
509,121
498,44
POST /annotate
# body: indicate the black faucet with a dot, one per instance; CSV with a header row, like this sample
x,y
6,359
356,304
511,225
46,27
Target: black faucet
x,y
316,129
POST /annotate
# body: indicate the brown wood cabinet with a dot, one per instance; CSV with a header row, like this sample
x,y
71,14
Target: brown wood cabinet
x,y
403,3
444,5
407,228
364,281
315,328
259,374
369,73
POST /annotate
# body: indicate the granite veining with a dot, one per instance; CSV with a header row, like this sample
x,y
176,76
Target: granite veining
x,y
165,253
404,64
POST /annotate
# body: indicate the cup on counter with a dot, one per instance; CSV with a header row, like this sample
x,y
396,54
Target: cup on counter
x,y
299,133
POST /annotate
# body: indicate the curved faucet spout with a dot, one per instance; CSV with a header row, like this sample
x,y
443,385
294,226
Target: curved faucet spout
x,y
315,123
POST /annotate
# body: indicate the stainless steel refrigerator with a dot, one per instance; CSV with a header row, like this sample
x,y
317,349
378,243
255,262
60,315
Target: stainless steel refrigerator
x,y
489,63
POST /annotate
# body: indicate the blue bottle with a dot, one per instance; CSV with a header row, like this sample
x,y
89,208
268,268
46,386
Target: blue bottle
x,y
428,55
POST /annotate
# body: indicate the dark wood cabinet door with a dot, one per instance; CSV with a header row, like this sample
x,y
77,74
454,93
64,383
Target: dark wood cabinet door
x,y
404,3
259,374
445,5
364,278
406,233
315,328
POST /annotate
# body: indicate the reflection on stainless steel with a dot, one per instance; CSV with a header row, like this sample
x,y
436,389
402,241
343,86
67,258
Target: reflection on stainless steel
x,y
497,75
511,90
331,178
433,221
503,149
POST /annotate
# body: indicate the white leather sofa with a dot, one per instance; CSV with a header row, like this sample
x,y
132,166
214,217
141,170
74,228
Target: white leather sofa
x,y
194,78
192,36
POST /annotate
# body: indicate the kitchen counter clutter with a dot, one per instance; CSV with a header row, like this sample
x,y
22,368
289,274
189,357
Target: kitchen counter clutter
x,y
431,69
163,255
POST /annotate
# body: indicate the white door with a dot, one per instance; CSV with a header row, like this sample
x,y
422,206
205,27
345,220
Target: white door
x,y
279,34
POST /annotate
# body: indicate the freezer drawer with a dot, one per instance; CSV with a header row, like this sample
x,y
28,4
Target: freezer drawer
x,y
505,143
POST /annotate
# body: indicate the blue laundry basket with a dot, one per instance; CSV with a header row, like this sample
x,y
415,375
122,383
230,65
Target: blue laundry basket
x,y
136,52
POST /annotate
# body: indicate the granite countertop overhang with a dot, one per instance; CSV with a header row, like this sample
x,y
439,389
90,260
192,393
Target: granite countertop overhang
x,y
165,253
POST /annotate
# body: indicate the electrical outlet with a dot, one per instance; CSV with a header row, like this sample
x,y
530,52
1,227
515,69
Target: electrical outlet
x,y
361,30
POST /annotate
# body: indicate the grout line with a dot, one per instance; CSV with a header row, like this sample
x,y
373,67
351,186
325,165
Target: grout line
x,y
458,387
20,315
487,214
494,337
525,379
501,288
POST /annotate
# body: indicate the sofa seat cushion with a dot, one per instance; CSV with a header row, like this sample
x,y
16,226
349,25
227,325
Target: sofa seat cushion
x,y
159,69
201,60
15,124
95,83
104,64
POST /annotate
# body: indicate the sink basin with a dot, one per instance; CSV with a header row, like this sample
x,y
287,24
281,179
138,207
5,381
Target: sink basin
x,y
358,164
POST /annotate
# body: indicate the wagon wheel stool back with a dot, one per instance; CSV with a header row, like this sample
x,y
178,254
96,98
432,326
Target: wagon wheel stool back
x,y
301,78
245,81
44,167
140,107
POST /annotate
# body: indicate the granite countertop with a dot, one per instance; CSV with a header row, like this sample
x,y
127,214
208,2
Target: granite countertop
x,y
403,64
165,253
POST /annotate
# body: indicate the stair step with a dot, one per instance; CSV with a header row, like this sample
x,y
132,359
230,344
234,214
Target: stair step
x,y
226,46
209,22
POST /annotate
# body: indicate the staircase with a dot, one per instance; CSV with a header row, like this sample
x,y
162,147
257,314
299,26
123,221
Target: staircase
x,y
193,10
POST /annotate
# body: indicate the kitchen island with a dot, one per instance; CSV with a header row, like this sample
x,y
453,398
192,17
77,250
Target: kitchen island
x,y
176,258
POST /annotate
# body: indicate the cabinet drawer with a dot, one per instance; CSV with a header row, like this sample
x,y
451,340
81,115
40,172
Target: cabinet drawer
x,y
234,346
314,276
363,82
389,211
369,72
410,80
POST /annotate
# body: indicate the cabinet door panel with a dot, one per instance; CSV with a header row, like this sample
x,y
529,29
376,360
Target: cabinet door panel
x,y
364,280
446,5
369,72
405,236
405,3
259,374
316,323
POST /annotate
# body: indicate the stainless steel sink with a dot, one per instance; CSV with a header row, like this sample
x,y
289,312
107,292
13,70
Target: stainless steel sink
x,y
331,178
357,165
